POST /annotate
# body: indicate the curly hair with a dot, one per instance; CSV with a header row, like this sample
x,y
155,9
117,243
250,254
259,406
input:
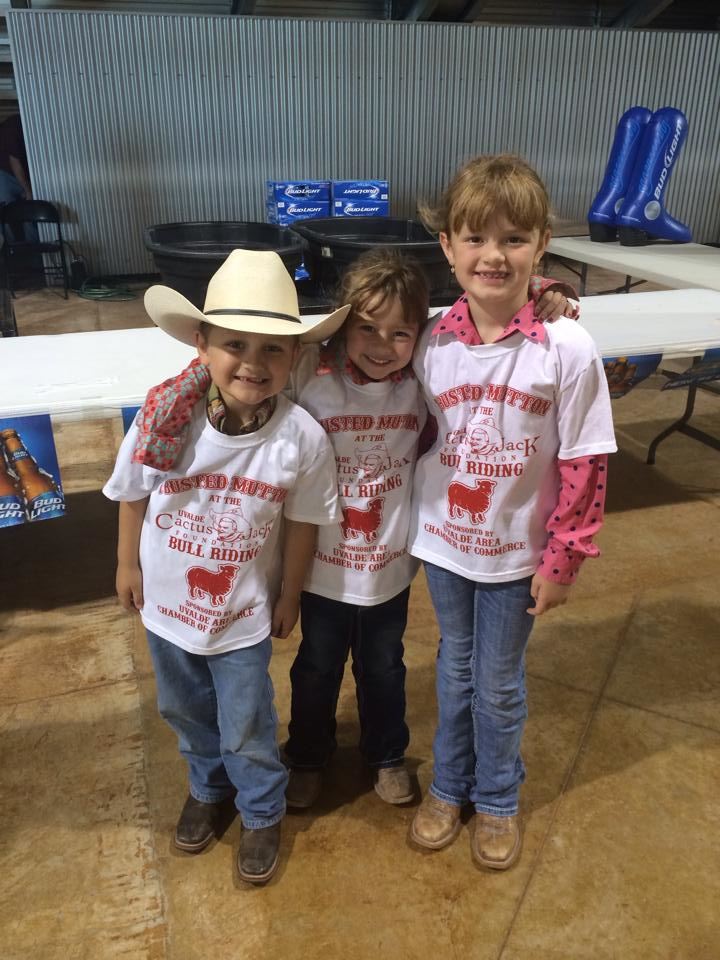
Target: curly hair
x,y
384,273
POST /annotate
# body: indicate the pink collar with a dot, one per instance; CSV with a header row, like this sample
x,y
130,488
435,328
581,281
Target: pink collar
x,y
458,322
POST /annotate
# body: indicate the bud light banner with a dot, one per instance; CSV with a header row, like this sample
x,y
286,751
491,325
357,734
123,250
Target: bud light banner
x,y
30,486
703,370
624,373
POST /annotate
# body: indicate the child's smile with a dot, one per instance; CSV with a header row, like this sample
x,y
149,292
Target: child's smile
x,y
247,368
379,340
493,265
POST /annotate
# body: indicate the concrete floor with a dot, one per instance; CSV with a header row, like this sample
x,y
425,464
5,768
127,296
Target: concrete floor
x,y
622,746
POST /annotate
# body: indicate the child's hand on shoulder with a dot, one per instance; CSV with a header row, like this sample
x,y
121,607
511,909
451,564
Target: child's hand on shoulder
x,y
547,594
553,304
285,615
129,586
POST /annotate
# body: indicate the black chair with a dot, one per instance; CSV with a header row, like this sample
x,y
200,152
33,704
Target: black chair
x,y
25,253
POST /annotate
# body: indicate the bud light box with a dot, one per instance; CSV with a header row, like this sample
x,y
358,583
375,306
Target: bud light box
x,y
360,198
290,200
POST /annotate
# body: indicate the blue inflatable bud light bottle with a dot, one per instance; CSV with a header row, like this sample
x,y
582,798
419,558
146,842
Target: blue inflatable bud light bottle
x,y
43,499
602,216
643,217
12,508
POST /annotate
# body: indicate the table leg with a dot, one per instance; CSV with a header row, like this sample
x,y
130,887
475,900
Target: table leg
x,y
682,426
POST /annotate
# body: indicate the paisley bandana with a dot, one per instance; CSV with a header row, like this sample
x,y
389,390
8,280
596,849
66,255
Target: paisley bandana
x,y
217,415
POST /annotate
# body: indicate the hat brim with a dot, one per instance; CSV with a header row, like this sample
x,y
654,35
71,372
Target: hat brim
x,y
179,318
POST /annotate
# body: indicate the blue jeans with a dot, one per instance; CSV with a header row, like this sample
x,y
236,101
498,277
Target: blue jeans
x,y
480,690
221,708
330,630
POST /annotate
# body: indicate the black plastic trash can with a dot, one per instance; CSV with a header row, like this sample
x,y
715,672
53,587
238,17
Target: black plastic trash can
x,y
334,243
186,255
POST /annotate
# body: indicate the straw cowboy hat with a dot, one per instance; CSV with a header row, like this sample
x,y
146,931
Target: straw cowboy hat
x,y
251,292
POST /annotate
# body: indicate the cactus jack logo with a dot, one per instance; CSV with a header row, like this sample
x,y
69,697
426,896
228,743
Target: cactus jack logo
x,y
30,486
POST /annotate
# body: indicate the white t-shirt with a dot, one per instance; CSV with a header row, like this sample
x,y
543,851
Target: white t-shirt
x,y
374,430
210,545
506,412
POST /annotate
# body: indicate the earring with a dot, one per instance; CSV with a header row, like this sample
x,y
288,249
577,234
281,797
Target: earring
x,y
452,268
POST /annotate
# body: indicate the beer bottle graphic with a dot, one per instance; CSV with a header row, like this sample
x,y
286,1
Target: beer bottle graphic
x,y
43,499
12,508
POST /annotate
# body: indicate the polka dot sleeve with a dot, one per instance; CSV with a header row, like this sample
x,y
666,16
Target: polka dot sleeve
x,y
576,519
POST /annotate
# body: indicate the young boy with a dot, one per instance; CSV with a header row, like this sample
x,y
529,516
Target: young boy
x,y
213,551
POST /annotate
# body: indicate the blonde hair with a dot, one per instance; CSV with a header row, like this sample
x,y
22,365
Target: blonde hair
x,y
384,273
486,187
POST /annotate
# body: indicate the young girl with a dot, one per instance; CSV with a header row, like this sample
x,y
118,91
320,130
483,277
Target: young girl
x,y
361,389
507,501
364,394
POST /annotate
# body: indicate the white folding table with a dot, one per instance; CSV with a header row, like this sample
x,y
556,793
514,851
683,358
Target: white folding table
x,y
92,375
677,265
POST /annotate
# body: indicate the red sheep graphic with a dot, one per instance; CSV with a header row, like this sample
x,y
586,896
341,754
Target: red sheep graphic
x,y
216,584
475,501
364,520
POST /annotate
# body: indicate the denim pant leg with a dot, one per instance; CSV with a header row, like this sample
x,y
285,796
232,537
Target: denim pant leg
x,y
453,598
316,676
379,673
187,701
499,705
248,732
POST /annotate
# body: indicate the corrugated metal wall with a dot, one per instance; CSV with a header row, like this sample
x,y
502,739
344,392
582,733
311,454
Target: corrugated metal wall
x,y
357,9
133,120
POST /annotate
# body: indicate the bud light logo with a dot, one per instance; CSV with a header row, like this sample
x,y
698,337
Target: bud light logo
x,y
46,506
302,190
370,193
358,209
302,209
669,155
12,511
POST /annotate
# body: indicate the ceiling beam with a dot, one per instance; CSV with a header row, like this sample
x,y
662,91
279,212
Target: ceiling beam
x,y
640,13
421,10
473,10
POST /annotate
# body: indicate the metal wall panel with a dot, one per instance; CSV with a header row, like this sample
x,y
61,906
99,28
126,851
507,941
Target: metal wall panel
x,y
171,7
357,9
133,120
338,9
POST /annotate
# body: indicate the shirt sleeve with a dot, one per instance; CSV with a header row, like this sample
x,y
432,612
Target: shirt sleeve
x,y
313,498
131,480
585,425
576,519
